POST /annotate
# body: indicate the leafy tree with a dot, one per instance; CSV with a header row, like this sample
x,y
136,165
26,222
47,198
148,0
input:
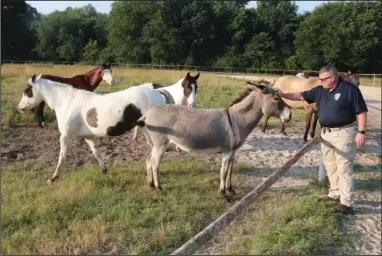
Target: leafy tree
x,y
346,34
17,34
62,35
280,20
91,52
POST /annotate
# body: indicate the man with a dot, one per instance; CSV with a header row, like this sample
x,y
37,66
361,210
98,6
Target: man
x,y
339,102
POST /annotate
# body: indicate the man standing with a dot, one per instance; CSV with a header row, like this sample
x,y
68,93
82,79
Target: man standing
x,y
339,102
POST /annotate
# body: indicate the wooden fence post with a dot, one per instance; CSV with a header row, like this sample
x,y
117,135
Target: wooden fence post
x,y
206,234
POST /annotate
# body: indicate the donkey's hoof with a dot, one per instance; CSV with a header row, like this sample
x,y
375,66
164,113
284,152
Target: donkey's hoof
x,y
231,191
223,194
104,170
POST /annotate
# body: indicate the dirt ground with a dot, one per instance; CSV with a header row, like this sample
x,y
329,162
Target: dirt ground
x,y
39,148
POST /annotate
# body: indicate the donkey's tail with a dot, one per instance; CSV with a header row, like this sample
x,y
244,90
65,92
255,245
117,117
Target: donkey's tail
x,y
141,121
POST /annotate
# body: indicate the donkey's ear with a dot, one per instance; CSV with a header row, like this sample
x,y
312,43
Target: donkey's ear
x,y
263,88
197,76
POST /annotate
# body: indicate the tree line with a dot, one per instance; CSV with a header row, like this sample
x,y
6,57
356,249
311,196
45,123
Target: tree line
x,y
203,33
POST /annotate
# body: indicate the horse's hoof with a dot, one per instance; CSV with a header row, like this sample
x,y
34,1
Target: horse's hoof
x,y
104,170
151,185
52,179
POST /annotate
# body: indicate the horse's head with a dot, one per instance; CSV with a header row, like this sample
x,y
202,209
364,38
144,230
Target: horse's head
x,y
31,95
351,77
190,86
107,75
273,104
302,75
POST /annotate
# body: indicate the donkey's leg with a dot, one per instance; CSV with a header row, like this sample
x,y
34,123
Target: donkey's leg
x,y
65,141
314,124
224,172
40,114
228,184
282,128
149,169
97,155
135,133
309,114
265,123
156,157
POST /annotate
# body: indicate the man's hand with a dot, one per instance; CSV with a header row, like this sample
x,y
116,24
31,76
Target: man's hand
x,y
278,91
360,139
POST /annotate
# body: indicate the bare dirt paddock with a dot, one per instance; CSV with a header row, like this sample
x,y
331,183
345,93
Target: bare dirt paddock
x,y
39,148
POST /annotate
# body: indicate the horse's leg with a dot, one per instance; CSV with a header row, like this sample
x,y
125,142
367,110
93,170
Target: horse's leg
x,y
156,157
97,155
228,184
149,169
265,123
309,113
40,114
314,124
223,173
65,141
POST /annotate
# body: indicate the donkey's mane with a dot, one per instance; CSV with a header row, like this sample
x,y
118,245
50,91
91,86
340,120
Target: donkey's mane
x,y
242,96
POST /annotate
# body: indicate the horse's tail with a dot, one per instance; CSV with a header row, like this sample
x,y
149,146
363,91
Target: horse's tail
x,y
141,121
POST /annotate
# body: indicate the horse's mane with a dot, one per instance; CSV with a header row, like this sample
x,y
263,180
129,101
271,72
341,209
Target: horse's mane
x,y
92,70
242,96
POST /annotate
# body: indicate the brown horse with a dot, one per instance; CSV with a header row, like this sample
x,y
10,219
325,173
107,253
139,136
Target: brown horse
x,y
88,81
291,84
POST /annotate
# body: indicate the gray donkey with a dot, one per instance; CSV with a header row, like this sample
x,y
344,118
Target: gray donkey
x,y
209,131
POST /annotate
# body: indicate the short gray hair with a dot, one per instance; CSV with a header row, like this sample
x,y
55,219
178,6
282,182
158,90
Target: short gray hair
x,y
330,69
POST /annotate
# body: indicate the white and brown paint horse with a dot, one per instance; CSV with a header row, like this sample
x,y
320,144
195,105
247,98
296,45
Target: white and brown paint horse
x,y
182,92
81,113
209,131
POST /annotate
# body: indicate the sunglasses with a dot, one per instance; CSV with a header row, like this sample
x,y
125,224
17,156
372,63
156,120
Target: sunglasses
x,y
324,79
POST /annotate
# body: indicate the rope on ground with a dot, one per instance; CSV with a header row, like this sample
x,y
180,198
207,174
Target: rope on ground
x,y
213,228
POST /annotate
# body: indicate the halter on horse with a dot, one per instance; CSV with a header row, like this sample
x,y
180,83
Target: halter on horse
x,y
88,81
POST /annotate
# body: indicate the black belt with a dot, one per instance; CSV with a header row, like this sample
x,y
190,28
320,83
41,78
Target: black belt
x,y
333,129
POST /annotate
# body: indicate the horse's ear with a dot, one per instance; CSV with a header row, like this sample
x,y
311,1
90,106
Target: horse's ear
x,y
188,75
109,64
33,78
197,76
39,77
104,65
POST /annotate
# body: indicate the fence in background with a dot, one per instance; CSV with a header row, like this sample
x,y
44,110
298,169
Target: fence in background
x,y
233,72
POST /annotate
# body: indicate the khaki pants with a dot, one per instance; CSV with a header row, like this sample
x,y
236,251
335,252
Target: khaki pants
x,y
338,151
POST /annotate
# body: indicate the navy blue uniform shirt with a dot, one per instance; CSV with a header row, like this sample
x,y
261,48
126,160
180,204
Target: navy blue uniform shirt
x,y
338,107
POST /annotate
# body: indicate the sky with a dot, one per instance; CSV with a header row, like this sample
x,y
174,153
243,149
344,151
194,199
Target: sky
x,y
46,7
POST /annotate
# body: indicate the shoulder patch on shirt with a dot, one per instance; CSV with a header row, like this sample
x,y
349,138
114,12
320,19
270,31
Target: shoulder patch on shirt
x,y
337,96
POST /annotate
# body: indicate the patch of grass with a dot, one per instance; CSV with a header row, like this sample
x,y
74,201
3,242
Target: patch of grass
x,y
288,222
367,178
86,212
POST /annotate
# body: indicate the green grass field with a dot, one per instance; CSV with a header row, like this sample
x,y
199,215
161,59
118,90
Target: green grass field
x,y
89,213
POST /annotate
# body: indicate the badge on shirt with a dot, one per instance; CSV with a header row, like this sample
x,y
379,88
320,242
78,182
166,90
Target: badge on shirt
x,y
337,96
